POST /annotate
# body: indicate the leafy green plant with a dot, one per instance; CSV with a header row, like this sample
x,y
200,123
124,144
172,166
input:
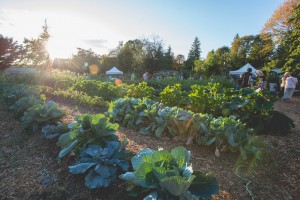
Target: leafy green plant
x,y
22,104
106,90
40,114
252,107
90,129
174,96
103,164
80,97
209,99
54,131
140,91
168,175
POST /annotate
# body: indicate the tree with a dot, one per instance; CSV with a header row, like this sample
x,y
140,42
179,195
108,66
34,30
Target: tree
x,y
292,63
223,59
168,59
278,25
240,50
9,52
131,56
261,51
194,54
153,53
35,52
82,57
179,62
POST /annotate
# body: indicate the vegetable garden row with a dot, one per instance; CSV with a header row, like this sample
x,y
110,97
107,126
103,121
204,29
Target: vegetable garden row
x,y
232,120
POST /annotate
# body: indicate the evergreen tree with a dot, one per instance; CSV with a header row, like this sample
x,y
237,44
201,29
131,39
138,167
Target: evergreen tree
x,y
9,52
35,53
194,54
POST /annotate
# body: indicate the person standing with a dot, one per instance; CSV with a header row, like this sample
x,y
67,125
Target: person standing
x,y
146,76
283,82
133,76
246,77
290,86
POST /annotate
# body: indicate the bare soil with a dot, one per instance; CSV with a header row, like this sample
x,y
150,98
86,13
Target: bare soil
x,y
29,169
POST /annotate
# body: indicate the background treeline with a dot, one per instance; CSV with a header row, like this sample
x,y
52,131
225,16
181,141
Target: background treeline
x,y
277,46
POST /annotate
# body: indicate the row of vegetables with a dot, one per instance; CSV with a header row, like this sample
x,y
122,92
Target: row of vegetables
x,y
102,157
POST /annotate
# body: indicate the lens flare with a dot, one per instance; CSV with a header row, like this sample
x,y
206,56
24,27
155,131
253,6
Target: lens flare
x,y
118,82
94,69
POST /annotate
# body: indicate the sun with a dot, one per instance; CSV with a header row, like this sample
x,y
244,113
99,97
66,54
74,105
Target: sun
x,y
59,48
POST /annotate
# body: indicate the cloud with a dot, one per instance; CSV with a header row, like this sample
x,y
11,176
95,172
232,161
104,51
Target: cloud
x,y
96,43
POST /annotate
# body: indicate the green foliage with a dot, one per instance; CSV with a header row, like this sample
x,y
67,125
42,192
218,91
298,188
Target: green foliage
x,y
22,104
90,129
80,97
208,99
140,91
9,52
103,164
106,90
54,131
174,96
167,175
252,107
40,114
153,119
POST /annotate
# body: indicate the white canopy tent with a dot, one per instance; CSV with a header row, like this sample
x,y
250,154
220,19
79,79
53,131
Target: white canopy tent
x,y
242,70
114,71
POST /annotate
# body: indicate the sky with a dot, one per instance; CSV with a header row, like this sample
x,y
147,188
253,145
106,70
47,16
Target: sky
x,y
101,24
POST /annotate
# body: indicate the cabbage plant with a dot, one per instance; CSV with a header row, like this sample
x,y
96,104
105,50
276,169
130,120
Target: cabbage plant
x,y
90,129
41,114
168,175
103,164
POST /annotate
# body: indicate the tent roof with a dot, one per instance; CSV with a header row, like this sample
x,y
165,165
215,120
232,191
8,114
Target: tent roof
x,y
242,70
114,70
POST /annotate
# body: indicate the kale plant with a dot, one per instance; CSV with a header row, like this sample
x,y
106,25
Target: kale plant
x,y
103,164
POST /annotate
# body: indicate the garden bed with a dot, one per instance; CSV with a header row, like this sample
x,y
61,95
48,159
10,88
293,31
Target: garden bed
x,y
29,169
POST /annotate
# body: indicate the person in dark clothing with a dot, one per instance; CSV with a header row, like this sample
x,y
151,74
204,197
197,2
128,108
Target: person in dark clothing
x,y
246,78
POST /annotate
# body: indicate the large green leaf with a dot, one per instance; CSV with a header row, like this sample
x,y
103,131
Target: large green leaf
x,y
139,158
65,151
66,138
176,185
181,155
145,177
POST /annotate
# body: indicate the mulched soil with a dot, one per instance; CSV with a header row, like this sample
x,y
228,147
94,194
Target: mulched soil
x,y
29,169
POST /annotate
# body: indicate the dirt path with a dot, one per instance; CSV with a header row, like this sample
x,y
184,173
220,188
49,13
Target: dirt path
x,y
29,169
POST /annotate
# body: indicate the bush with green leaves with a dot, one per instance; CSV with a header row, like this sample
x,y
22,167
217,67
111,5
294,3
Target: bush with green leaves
x,y
90,129
41,114
142,90
80,97
103,164
168,175
253,107
106,90
209,99
174,96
